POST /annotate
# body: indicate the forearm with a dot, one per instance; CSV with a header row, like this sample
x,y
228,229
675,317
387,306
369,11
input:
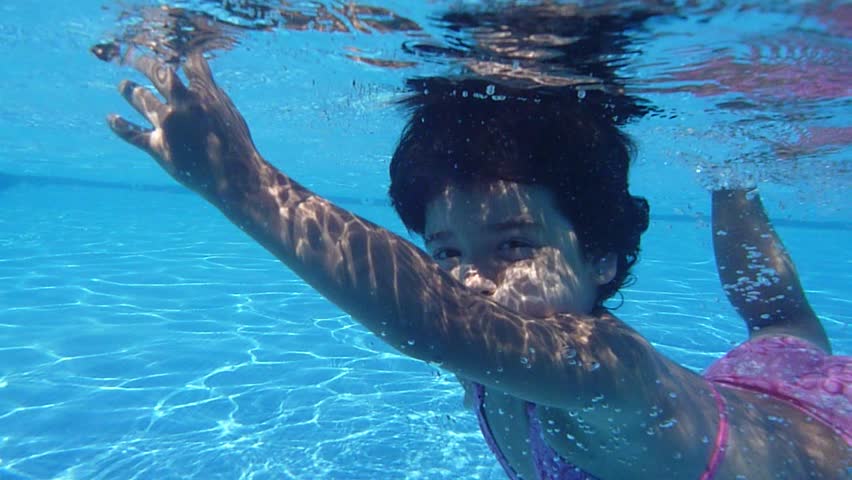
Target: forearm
x,y
199,137
746,246
382,280
397,291
755,269
386,283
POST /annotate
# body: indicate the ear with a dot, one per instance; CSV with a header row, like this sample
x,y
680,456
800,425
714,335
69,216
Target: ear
x,y
605,267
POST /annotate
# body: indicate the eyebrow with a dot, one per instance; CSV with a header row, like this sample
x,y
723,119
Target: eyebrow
x,y
518,223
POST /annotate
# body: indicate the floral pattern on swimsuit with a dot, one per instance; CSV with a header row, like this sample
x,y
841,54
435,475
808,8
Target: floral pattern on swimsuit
x,y
795,371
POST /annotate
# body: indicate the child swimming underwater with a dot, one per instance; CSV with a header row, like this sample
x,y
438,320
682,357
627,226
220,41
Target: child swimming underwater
x,y
525,211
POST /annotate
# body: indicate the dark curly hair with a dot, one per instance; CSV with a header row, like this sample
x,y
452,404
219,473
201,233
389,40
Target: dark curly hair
x,y
568,140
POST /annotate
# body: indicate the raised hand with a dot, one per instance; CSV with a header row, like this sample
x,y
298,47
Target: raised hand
x,y
198,136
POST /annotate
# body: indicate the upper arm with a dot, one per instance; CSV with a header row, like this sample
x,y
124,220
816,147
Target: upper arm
x,y
561,361
400,293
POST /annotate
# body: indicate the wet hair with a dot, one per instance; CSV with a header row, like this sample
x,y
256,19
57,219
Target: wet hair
x,y
472,131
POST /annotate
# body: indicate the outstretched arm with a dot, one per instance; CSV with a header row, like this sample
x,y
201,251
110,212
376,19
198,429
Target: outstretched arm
x,y
383,281
756,271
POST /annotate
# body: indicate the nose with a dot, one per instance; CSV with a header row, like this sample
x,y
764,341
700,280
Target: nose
x,y
475,280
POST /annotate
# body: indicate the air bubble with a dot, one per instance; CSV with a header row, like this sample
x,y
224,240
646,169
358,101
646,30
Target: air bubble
x,y
668,423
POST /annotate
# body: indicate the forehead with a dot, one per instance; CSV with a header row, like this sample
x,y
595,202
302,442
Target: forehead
x,y
495,202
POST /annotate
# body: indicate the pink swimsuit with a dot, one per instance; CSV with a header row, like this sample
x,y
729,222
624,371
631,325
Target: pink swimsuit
x,y
795,371
788,368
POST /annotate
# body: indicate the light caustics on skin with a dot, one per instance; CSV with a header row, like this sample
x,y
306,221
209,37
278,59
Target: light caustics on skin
x,y
387,283
424,312
510,241
758,275
524,321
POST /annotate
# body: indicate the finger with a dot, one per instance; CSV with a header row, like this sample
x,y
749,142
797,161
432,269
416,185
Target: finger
x,y
144,101
198,70
130,133
163,77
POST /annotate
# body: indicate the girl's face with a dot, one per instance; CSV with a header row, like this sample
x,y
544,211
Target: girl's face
x,y
509,242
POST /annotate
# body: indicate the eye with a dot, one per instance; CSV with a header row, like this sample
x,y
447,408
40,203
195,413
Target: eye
x,y
516,249
442,254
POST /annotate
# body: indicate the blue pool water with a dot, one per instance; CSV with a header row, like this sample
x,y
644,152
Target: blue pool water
x,y
143,336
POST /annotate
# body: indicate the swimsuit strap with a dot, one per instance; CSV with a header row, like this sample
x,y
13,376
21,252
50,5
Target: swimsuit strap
x,y
545,457
721,443
479,396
